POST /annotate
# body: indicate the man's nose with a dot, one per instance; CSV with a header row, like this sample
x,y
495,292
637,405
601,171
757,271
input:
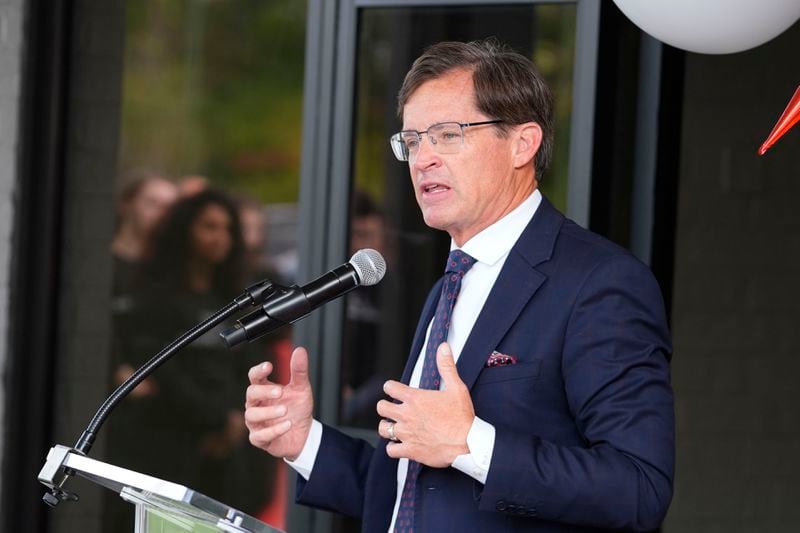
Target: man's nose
x,y
426,156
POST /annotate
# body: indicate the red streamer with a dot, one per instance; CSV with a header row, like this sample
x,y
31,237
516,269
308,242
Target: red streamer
x,y
790,117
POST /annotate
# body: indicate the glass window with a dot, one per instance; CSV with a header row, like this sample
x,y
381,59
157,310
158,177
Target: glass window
x,y
207,190
381,320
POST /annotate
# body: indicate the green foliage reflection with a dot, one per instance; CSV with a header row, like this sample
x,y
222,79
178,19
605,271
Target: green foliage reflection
x,y
215,88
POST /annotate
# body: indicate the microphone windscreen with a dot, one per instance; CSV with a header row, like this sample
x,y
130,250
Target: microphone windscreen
x,y
370,266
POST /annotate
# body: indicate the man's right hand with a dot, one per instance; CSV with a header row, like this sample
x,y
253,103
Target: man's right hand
x,y
279,416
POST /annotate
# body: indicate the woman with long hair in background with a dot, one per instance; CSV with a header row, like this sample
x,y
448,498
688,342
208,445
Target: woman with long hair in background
x,y
194,432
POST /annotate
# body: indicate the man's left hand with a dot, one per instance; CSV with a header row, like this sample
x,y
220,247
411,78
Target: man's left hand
x,y
430,425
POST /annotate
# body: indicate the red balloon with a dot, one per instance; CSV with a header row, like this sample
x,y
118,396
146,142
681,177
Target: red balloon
x,y
790,117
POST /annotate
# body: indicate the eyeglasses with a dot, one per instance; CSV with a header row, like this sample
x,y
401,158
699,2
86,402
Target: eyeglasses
x,y
445,138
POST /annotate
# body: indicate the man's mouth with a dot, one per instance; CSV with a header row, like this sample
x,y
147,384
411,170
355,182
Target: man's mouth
x,y
434,188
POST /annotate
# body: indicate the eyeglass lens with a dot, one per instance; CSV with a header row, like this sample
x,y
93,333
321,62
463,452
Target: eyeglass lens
x,y
445,138
441,136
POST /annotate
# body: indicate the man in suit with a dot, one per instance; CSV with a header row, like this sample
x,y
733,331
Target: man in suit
x,y
549,406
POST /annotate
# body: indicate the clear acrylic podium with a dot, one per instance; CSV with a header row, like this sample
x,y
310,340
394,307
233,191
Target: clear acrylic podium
x,y
161,506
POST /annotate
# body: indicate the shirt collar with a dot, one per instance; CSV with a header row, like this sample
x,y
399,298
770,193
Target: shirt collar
x,y
494,242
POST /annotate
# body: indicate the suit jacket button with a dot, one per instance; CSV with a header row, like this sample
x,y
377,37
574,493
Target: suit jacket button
x,y
522,510
500,506
511,508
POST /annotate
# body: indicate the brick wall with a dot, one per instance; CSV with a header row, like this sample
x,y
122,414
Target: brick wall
x,y
11,29
736,307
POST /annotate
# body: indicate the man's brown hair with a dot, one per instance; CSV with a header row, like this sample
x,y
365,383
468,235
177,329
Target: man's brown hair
x,y
507,86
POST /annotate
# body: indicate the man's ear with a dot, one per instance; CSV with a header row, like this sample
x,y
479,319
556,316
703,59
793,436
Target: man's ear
x,y
528,139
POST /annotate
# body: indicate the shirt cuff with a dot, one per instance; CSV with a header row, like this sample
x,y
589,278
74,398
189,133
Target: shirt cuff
x,y
305,461
480,441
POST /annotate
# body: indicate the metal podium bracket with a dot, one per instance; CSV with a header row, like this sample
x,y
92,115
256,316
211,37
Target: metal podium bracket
x,y
53,475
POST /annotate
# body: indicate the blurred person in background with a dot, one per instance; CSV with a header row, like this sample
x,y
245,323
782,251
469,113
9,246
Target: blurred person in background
x,y
253,217
194,421
191,184
145,198
140,206
362,381
258,267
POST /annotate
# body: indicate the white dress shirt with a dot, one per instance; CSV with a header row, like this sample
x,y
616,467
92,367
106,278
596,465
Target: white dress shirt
x,y
490,248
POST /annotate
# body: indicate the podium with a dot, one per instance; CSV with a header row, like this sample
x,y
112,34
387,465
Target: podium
x,y
161,506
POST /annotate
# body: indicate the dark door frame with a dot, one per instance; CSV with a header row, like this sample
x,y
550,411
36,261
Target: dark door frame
x,y
36,256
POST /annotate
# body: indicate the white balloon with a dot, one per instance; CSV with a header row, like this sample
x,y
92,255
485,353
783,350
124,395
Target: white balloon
x,y
712,26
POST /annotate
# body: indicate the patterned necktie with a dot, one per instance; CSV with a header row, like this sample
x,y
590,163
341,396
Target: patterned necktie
x,y
458,263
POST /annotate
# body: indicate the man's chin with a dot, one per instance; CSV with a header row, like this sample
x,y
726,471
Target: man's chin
x,y
436,221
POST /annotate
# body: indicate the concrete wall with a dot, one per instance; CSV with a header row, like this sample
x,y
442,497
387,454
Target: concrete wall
x,y
736,307
11,31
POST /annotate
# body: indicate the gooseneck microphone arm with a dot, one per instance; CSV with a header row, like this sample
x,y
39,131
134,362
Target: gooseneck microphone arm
x,y
253,295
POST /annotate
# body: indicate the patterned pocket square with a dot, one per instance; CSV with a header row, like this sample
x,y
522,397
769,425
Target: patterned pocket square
x,y
500,359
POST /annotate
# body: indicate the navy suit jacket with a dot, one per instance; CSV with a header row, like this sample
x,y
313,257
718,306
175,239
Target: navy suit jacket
x,y
584,420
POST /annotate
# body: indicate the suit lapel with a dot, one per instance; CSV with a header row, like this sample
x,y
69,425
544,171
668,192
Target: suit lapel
x,y
515,286
422,328
380,492
511,292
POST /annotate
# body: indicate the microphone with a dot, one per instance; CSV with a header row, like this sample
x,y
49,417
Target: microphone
x,y
289,304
